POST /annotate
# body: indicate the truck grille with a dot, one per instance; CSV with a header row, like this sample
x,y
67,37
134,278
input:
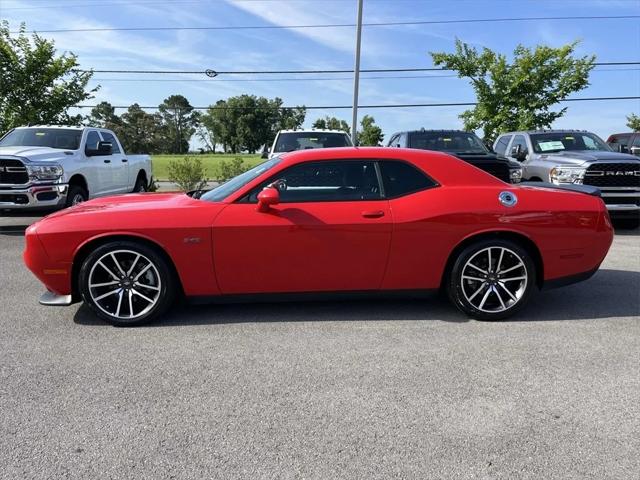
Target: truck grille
x,y
13,172
497,170
613,175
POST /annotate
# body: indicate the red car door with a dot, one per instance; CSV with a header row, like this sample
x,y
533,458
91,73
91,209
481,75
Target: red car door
x,y
331,231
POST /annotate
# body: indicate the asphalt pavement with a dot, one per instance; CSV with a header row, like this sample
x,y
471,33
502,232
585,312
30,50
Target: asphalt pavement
x,y
361,389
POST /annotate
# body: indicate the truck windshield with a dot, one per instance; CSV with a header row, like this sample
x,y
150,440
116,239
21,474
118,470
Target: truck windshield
x,y
457,142
553,142
64,139
290,141
223,191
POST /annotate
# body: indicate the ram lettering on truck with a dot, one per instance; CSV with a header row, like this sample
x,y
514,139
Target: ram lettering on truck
x,y
54,166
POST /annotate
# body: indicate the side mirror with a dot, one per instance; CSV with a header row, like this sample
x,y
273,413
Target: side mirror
x,y
104,148
268,197
517,153
264,154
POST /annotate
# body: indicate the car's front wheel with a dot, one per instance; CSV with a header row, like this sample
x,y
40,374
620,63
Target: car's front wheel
x,y
126,283
491,279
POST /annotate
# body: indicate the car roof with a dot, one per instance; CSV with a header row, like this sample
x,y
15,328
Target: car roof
x,y
440,130
313,130
528,132
66,127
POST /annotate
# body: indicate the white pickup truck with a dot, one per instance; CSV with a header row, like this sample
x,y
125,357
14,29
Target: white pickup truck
x,y
47,166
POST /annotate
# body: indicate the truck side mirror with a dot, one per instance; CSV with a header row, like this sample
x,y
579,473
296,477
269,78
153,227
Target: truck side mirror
x,y
264,154
518,153
104,148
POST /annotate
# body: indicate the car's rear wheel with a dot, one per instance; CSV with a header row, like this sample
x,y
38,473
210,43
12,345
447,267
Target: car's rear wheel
x,y
492,279
141,185
126,283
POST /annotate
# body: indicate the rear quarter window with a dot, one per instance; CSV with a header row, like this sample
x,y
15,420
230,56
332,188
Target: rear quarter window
x,y
401,178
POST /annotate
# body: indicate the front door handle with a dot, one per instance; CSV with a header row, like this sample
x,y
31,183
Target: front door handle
x,y
125,160
107,161
373,214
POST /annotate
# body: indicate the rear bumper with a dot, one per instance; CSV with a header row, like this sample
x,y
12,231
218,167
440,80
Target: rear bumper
x,y
569,279
37,196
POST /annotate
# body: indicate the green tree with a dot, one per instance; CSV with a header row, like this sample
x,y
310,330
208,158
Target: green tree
x,y
36,85
633,122
104,115
179,120
520,94
331,123
371,134
247,122
142,132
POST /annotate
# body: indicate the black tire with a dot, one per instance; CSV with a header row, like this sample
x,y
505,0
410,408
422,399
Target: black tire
x,y
75,195
141,184
460,290
162,293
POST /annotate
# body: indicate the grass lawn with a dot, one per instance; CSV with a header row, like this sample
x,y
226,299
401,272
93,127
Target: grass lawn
x,y
210,162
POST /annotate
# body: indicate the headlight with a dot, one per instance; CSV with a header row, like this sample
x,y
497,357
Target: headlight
x,y
45,172
515,175
567,174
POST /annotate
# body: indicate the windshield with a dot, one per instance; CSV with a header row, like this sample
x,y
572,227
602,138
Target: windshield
x,y
558,142
458,142
65,139
290,141
223,191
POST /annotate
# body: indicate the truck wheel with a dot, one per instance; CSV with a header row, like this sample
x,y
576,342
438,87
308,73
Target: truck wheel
x,y
141,185
491,279
126,283
76,195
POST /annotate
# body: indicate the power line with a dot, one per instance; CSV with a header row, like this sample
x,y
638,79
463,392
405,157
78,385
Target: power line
x,y
337,25
307,79
213,73
398,105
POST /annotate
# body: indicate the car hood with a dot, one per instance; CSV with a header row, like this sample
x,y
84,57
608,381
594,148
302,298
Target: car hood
x,y
588,156
36,154
130,202
132,212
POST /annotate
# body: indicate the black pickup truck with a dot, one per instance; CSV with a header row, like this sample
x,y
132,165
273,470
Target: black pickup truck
x,y
464,145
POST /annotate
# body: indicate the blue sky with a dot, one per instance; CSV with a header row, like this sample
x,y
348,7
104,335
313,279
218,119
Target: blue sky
x,y
332,48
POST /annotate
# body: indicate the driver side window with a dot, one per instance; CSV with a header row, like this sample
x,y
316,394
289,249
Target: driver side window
x,y
342,181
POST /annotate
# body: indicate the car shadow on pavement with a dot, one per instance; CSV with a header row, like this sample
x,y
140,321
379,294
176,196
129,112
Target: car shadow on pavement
x,y
609,294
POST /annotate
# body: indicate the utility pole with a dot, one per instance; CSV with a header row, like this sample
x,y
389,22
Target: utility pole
x,y
356,76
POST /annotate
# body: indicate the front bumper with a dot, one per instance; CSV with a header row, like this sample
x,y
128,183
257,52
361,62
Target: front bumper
x,y
35,196
622,201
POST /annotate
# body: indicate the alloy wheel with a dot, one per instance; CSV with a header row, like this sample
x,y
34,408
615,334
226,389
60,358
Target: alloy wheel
x,y
124,284
494,279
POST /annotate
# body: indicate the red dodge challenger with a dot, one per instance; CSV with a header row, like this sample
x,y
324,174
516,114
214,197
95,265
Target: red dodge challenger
x,y
367,220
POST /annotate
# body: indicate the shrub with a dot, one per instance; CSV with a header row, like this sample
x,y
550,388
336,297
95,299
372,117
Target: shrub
x,y
233,168
188,173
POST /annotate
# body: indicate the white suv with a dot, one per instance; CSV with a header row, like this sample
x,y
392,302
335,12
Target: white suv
x,y
291,140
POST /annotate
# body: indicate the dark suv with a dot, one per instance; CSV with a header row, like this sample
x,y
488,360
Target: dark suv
x,y
464,145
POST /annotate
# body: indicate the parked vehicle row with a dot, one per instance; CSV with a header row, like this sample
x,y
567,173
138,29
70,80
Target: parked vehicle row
x,y
45,166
